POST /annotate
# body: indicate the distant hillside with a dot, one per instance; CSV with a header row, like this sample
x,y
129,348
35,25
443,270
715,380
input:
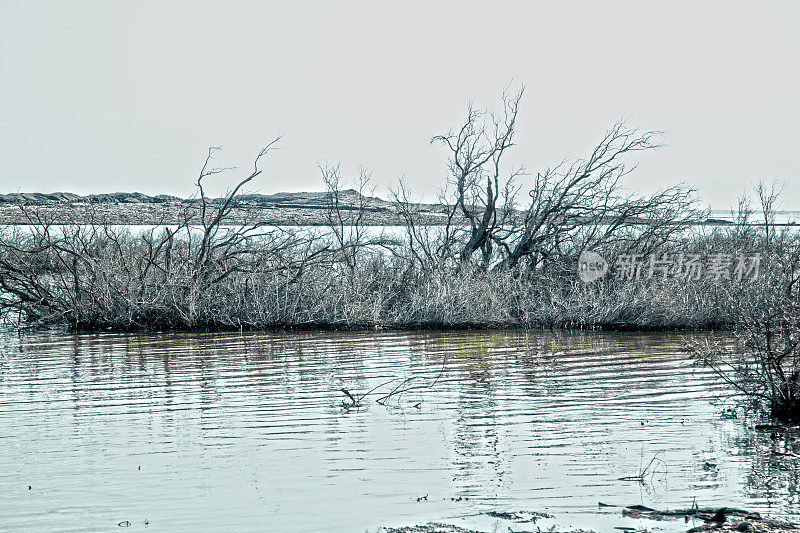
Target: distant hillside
x,y
301,208
283,208
296,199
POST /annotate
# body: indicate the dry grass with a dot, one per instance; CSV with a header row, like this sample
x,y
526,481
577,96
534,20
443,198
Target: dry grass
x,y
97,277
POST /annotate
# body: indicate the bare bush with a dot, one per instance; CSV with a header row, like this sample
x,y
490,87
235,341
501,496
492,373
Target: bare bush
x,y
98,275
764,365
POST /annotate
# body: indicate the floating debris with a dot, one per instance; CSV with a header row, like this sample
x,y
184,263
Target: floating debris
x,y
521,516
716,519
432,527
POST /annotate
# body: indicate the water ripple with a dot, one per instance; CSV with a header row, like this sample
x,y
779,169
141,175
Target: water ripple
x,y
241,432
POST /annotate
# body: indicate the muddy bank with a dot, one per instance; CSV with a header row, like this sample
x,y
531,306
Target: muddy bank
x,y
694,520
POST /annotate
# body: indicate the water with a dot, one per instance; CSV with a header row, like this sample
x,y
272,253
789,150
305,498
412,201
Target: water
x,y
227,432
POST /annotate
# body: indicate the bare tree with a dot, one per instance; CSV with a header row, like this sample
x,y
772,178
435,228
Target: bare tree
x,y
431,238
483,191
213,250
572,206
346,212
768,199
582,204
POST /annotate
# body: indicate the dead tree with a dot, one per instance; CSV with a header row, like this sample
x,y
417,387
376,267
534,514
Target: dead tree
x,y
348,217
483,193
346,212
583,204
221,250
427,247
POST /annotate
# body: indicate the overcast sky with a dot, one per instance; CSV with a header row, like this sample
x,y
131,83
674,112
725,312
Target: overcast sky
x,y
109,96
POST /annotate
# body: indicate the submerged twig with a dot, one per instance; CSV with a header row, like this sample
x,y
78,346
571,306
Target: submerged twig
x,y
649,469
356,399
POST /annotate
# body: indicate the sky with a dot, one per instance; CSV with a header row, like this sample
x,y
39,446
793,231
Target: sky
x,y
109,96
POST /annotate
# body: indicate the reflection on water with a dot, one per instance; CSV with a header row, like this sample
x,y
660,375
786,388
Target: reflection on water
x,y
182,432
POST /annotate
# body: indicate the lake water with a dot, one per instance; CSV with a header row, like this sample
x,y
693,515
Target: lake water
x,y
228,432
